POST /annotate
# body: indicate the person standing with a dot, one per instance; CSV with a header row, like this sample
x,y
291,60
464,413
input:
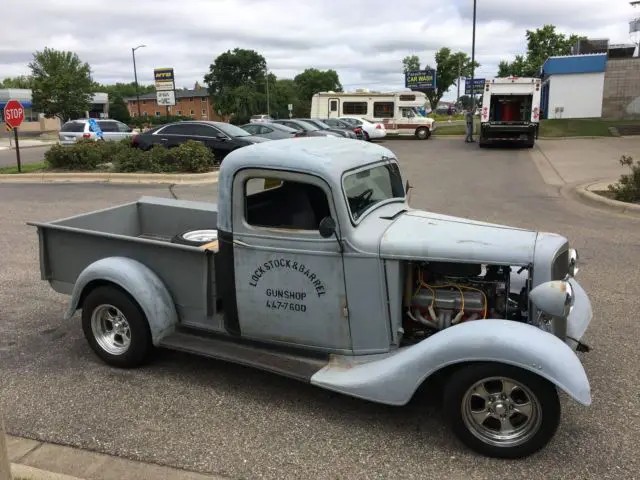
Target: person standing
x,y
468,118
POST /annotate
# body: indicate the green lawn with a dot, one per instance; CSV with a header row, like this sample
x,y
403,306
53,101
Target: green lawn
x,y
28,168
580,127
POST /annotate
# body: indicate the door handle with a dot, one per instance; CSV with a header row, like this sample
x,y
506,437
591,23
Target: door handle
x,y
164,139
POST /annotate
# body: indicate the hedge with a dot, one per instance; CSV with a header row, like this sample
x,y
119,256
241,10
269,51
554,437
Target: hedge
x,y
88,155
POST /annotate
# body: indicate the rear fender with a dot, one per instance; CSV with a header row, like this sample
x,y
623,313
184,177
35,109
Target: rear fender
x,y
137,280
393,378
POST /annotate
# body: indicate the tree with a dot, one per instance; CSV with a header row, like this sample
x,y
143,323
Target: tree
x,y
465,101
62,84
449,66
312,81
22,81
123,90
237,83
542,43
118,108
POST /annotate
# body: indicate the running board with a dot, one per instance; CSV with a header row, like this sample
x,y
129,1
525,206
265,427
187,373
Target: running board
x,y
287,364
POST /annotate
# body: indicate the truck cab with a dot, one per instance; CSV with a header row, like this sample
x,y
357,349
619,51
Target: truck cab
x,y
313,265
510,111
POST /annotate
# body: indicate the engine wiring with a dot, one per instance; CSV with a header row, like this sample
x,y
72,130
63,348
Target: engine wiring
x,y
433,288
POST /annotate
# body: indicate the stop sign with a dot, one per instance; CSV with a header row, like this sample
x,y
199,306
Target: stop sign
x,y
13,113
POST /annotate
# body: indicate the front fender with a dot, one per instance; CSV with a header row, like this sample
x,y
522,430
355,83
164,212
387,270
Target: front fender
x,y
394,377
137,280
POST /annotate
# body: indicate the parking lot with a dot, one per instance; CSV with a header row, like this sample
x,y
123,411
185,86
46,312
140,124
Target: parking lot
x,y
211,416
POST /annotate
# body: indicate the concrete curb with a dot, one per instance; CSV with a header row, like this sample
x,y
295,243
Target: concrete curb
x,y
22,147
586,192
116,178
30,473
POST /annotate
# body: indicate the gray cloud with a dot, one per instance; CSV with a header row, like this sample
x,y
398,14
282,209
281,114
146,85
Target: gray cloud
x,y
366,49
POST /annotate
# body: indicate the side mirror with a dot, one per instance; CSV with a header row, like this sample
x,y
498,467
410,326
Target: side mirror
x,y
327,227
221,136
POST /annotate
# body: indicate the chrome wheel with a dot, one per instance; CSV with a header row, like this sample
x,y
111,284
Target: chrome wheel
x,y
501,412
111,329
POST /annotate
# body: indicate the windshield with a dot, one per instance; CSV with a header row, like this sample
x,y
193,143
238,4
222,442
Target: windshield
x,y
366,188
232,130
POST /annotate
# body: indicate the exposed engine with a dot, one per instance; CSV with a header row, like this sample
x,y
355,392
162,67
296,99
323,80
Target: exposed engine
x,y
440,295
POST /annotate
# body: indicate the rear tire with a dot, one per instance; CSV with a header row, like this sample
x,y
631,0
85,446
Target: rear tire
x,y
366,136
500,410
116,328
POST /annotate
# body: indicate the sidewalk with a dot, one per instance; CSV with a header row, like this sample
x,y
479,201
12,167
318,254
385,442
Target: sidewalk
x,y
563,162
6,143
45,461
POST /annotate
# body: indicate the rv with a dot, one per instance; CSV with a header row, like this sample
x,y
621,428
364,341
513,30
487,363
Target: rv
x,y
401,113
510,110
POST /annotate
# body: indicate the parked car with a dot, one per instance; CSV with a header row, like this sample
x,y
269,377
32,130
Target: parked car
x,y
260,118
222,138
348,133
337,123
74,130
310,129
372,130
273,131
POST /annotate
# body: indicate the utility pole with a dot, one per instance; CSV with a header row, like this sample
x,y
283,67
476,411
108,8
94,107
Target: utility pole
x,y
473,67
458,82
135,76
268,103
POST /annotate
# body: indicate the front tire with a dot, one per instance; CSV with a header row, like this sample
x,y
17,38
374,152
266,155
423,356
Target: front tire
x,y
116,328
501,411
423,133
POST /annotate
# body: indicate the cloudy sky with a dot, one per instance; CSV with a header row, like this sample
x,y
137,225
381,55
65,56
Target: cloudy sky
x,y
364,41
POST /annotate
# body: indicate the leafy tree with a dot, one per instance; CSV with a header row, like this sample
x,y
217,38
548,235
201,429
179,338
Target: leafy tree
x,y
448,67
22,81
118,108
236,83
123,90
465,101
62,84
542,43
312,81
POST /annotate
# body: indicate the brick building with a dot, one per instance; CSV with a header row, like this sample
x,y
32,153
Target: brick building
x,y
189,103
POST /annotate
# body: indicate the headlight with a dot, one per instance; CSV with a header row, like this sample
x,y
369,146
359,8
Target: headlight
x,y
573,262
553,298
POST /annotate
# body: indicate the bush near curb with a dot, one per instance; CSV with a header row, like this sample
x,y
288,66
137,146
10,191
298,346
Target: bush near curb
x,y
627,189
90,155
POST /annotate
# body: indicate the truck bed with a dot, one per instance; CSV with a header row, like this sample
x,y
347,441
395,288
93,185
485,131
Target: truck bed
x,y
141,230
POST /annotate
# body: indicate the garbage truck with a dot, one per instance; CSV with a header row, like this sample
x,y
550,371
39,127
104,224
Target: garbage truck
x,y
510,111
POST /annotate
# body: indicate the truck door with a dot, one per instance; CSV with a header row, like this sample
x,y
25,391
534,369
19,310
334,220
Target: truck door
x,y
290,285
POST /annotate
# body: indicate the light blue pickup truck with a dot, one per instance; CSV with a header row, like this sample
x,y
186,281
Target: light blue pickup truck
x,y
313,265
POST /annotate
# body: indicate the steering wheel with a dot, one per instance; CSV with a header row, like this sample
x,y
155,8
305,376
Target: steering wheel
x,y
362,198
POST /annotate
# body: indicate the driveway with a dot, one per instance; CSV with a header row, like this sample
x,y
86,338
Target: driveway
x,y
211,416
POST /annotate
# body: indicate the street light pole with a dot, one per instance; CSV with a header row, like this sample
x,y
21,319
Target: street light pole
x,y
135,76
268,104
473,68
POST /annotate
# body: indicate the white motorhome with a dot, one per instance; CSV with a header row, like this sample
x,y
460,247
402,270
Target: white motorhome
x,y
401,113
510,110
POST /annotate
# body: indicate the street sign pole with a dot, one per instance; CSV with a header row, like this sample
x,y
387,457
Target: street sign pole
x,y
15,132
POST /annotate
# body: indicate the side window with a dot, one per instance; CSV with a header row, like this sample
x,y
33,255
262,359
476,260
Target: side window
x,y
177,129
108,126
123,128
204,131
354,108
264,129
383,109
252,129
273,203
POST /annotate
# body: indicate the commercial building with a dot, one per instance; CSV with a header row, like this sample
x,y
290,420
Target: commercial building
x,y
189,103
573,86
36,121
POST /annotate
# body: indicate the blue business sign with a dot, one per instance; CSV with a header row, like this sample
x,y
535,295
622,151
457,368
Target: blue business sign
x,y
478,86
94,127
420,80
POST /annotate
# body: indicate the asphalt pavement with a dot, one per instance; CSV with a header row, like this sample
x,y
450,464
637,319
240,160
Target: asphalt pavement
x,y
220,418
27,155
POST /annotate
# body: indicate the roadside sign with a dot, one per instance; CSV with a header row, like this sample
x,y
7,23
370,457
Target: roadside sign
x,y
94,127
13,113
478,86
290,106
166,97
13,117
164,79
420,80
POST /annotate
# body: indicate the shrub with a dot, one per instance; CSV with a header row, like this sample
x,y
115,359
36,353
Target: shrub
x,y
193,156
627,189
83,155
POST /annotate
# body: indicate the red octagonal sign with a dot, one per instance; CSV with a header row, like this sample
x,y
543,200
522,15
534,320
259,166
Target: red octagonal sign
x,y
13,113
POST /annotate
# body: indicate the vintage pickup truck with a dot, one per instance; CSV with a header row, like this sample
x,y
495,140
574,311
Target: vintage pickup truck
x,y
313,265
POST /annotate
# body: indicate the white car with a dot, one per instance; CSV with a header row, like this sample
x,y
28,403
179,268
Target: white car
x,y
260,118
74,130
372,130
